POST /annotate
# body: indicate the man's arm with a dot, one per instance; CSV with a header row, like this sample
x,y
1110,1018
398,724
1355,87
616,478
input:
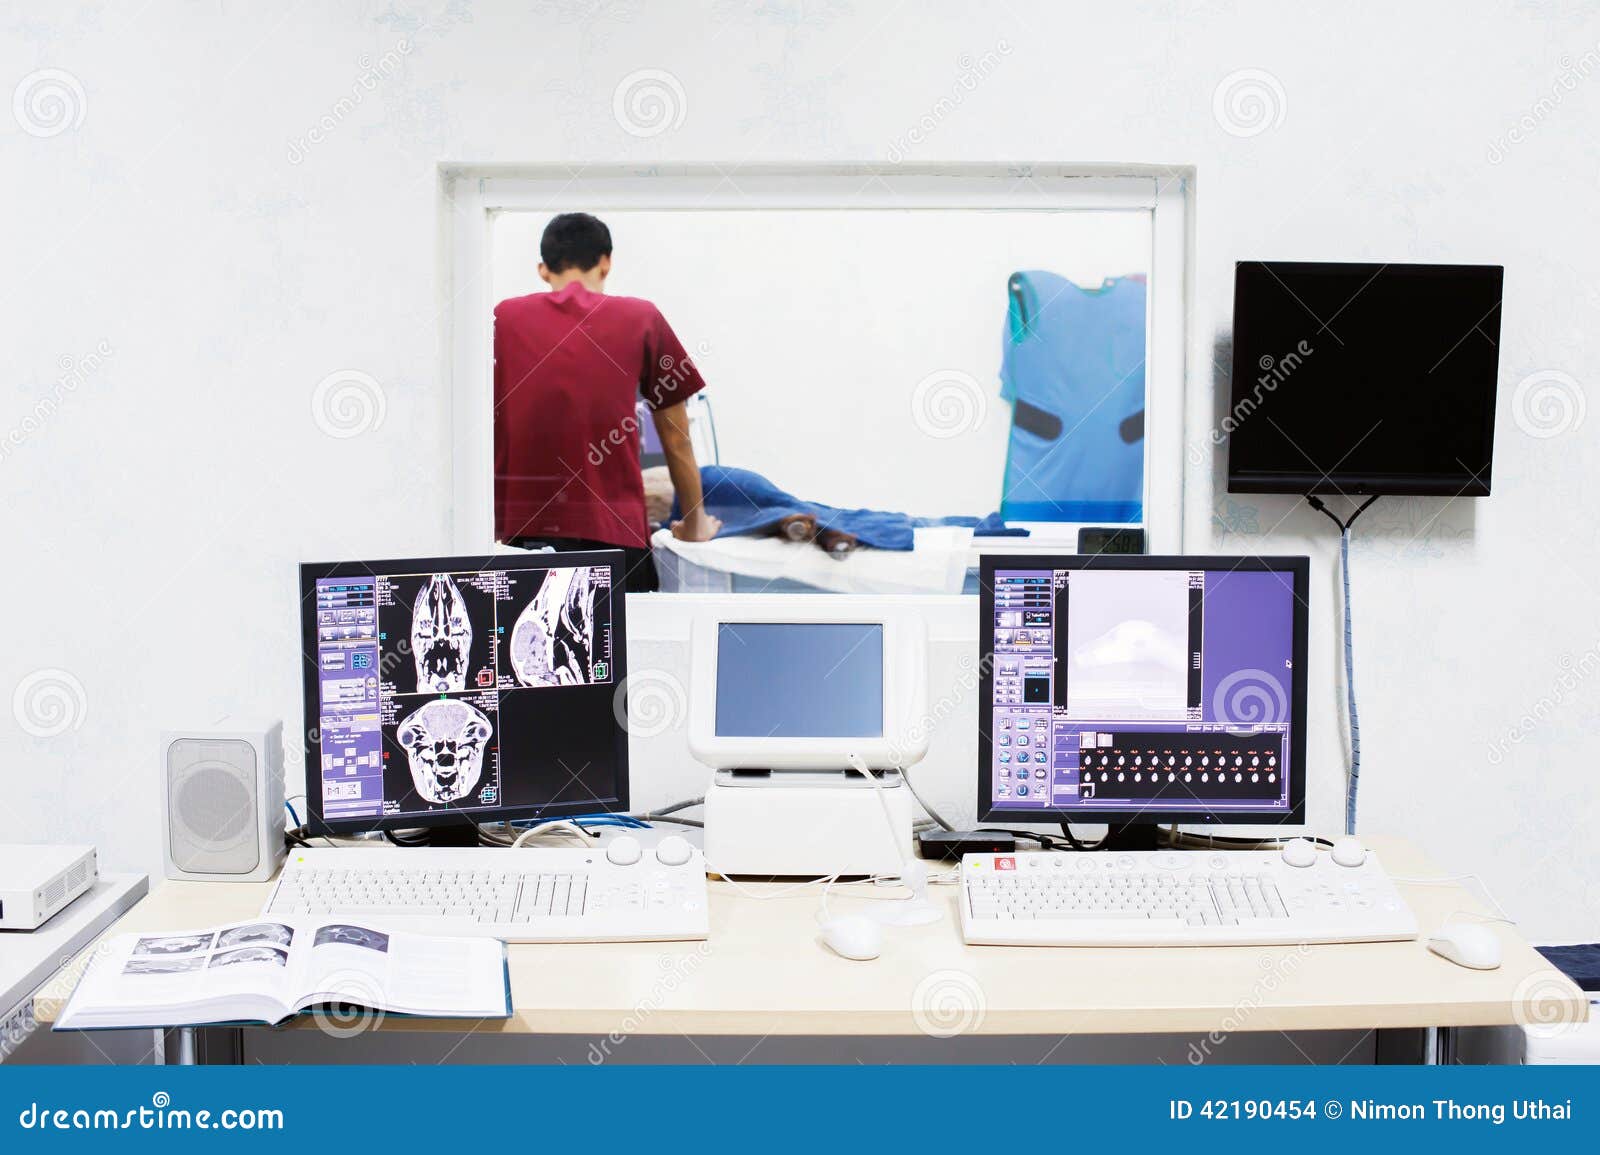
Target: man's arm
x,y
672,426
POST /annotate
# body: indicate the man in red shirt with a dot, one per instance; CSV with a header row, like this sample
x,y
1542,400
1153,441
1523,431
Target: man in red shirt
x,y
569,368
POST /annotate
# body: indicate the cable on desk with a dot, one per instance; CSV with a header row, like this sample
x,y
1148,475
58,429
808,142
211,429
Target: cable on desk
x,y
1072,839
1445,880
489,837
1044,840
932,813
673,808
391,836
564,825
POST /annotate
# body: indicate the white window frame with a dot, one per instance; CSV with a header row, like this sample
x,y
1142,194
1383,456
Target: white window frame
x,y
473,195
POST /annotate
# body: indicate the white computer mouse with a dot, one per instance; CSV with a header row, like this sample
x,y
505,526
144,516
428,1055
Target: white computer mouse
x,y
854,936
1467,944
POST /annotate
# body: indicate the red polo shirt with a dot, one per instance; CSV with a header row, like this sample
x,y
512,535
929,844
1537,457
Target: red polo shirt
x,y
569,368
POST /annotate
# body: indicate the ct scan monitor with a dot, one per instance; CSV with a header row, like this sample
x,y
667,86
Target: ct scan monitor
x,y
450,691
1131,690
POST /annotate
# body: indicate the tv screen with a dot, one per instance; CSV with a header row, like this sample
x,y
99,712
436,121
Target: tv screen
x,y
1363,379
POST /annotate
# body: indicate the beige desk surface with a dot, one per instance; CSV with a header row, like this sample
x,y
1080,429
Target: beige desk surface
x,y
763,972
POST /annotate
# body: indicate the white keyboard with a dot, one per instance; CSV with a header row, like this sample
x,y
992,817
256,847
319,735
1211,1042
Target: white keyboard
x,y
531,894
1176,898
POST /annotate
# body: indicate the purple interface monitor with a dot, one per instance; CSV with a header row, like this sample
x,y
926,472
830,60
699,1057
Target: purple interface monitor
x,y
432,688
1118,689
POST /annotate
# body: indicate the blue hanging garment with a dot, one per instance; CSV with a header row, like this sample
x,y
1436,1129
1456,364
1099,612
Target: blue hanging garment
x,y
1073,370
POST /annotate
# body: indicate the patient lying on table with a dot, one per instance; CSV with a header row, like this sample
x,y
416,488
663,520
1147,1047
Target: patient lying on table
x,y
749,504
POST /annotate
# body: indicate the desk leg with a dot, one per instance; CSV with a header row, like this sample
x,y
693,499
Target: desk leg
x,y
1439,1046
185,1051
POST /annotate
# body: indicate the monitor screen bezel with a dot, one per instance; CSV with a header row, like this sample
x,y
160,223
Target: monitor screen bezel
x,y
1397,482
311,572
990,813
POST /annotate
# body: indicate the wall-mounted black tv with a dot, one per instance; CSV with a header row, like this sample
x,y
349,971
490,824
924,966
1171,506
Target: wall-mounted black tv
x,y
1363,378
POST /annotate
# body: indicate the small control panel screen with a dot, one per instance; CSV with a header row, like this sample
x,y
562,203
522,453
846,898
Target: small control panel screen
x,y
799,680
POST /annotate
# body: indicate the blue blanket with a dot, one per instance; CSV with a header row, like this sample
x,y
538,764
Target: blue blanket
x,y
748,503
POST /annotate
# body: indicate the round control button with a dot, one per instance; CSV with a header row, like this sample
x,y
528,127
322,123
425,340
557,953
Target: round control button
x,y
673,850
1299,853
624,850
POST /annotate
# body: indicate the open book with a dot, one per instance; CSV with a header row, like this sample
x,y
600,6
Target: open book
x,y
267,971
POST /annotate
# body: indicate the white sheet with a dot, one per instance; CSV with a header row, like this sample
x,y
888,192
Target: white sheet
x,y
936,565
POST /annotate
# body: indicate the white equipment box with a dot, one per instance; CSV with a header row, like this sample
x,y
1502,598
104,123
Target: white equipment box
x,y
38,882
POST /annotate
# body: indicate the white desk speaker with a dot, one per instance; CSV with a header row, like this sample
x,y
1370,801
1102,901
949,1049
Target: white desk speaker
x,y
222,803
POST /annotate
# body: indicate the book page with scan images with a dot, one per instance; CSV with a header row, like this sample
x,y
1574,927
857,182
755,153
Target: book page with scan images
x,y
241,971
405,973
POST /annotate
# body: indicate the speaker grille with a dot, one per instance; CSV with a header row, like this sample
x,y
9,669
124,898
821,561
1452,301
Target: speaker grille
x,y
212,799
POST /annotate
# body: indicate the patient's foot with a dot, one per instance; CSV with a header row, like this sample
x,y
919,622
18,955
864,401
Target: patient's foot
x,y
838,545
797,527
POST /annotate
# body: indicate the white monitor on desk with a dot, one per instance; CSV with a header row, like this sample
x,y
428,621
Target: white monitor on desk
x,y
801,683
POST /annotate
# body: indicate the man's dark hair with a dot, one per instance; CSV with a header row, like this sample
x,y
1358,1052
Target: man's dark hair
x,y
574,241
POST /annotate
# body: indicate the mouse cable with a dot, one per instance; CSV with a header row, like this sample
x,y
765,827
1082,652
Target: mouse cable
x,y
1445,880
391,836
554,826
1353,780
1072,839
1068,841
932,813
1045,841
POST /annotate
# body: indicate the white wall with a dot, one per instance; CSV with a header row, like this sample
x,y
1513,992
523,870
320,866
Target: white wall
x,y
249,204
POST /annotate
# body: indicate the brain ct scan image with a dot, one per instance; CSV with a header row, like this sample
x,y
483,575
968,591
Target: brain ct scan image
x,y
343,934
441,636
552,643
462,684
444,741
